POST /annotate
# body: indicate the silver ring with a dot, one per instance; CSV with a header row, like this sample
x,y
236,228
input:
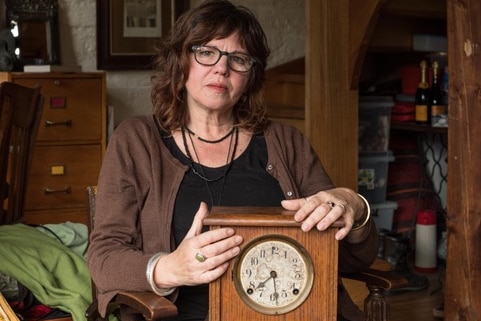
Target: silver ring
x,y
200,257
341,205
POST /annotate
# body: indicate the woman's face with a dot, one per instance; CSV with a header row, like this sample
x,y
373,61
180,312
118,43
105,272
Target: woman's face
x,y
216,88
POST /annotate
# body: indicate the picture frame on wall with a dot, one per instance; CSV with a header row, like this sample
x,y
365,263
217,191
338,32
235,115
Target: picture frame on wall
x,y
127,31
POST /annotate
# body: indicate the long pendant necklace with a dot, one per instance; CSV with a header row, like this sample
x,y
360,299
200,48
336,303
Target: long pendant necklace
x,y
201,174
210,141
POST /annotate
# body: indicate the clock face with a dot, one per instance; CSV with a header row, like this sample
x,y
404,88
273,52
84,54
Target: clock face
x,y
273,274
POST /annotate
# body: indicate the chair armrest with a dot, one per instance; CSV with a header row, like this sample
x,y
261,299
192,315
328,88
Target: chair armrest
x,y
386,280
149,304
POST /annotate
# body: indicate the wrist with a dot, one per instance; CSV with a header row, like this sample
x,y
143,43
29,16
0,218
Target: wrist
x,y
366,215
150,275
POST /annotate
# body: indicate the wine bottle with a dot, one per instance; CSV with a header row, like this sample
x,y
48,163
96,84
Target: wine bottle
x,y
422,112
436,101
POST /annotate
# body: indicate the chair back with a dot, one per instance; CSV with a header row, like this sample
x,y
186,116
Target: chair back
x,y
91,195
20,113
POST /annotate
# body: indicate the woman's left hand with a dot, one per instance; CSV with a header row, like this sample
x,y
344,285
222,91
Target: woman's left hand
x,y
324,208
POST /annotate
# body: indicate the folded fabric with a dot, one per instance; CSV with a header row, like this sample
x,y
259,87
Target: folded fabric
x,y
57,276
73,235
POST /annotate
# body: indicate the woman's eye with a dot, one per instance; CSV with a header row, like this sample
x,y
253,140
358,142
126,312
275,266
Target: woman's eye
x,y
238,60
207,53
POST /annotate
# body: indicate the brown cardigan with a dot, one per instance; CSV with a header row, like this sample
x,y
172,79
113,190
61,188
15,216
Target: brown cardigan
x,y
136,193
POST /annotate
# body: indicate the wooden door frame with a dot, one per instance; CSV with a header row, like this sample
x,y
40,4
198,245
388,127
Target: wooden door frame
x,y
463,271
335,48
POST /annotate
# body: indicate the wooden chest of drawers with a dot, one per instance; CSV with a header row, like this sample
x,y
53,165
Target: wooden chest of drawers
x,y
70,144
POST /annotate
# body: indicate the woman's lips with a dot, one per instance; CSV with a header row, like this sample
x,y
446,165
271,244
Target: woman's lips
x,y
217,87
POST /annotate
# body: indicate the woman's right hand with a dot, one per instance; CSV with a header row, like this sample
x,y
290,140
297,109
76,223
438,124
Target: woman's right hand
x,y
182,267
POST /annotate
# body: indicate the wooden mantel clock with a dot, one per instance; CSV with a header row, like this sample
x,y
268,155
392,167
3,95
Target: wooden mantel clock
x,y
281,273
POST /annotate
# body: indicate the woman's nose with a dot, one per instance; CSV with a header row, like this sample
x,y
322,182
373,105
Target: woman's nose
x,y
222,66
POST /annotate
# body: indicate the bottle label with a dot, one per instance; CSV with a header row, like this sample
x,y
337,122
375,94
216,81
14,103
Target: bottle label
x,y
437,110
421,113
438,116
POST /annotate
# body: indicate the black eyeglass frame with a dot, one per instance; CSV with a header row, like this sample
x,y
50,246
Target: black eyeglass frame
x,y
252,61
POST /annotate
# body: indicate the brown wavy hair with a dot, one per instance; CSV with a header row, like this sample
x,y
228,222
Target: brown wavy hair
x,y
213,19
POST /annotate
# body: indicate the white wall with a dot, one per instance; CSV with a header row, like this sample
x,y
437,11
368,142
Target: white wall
x,y
129,91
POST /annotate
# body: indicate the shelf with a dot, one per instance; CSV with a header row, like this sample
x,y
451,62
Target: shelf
x,y
434,9
413,127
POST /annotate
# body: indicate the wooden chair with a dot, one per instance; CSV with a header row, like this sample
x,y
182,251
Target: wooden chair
x,y
154,307
20,112
149,304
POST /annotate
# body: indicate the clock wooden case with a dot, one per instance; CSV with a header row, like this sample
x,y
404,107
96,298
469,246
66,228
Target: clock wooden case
x,y
228,296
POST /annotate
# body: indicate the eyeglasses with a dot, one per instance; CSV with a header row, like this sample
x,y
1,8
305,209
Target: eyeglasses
x,y
209,56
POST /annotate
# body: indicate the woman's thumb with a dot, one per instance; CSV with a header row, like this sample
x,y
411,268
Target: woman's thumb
x,y
197,224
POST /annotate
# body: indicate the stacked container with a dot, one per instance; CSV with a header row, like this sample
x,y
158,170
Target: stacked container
x,y
375,156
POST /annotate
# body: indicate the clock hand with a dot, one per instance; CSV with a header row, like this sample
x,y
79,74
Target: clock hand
x,y
274,276
263,283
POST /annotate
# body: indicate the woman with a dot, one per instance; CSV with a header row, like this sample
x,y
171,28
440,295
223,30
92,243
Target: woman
x,y
209,143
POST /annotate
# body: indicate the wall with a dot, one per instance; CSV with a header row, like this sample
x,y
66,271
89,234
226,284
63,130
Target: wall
x,y
129,91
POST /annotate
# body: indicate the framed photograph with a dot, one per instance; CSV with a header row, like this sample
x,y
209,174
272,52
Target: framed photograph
x,y
127,31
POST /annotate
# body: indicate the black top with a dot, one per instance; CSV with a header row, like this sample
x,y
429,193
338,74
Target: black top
x,y
246,183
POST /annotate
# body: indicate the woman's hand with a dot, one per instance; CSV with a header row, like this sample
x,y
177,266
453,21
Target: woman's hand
x,y
185,266
321,210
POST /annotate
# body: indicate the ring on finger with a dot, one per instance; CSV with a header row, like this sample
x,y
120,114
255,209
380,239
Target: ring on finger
x,y
332,205
200,257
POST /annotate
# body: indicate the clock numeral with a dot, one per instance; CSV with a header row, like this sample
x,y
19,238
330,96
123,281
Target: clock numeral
x,y
275,250
297,268
254,261
273,297
251,288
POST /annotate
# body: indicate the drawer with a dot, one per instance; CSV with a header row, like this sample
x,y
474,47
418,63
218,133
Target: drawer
x,y
77,215
60,174
72,109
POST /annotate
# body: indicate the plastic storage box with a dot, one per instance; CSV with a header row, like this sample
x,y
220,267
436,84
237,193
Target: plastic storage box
x,y
374,123
383,214
372,176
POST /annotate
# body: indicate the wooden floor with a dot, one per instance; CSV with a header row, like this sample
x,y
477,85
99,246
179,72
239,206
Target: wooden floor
x,y
418,306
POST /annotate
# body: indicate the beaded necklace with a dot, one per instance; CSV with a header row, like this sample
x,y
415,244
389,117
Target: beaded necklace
x,y
207,140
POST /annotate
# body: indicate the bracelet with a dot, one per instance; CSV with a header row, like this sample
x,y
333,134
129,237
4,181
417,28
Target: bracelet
x,y
150,275
367,213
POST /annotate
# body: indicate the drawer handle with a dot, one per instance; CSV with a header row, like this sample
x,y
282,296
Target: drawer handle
x,y
67,123
66,190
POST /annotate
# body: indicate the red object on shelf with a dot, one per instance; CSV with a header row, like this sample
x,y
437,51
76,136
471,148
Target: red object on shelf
x,y
410,78
403,111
